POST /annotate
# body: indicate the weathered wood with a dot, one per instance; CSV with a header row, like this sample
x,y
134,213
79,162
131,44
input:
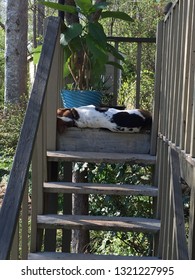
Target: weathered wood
x,y
181,243
51,207
156,105
99,140
131,40
142,159
64,256
25,225
80,238
12,200
108,189
99,223
191,239
67,207
138,72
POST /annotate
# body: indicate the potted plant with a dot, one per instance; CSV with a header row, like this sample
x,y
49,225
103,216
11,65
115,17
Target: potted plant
x,y
86,50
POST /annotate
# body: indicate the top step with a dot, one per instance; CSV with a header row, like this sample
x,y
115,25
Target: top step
x,y
98,157
99,140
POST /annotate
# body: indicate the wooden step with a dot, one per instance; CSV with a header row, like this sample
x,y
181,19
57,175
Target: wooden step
x,y
99,140
144,159
69,256
108,189
98,223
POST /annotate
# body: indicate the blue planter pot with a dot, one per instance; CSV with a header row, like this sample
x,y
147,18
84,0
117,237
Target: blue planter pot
x,y
77,98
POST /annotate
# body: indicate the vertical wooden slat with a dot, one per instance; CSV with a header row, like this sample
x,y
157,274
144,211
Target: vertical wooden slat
x,y
138,70
37,192
192,148
67,208
165,204
191,239
51,207
161,194
157,92
116,79
24,221
190,83
176,68
14,253
177,205
173,59
166,207
163,81
181,72
39,166
54,86
188,6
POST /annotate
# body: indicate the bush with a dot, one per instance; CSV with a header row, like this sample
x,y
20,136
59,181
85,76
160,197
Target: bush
x,y
10,125
138,206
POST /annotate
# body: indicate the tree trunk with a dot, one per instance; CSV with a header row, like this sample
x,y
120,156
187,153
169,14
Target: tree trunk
x,y
16,50
71,18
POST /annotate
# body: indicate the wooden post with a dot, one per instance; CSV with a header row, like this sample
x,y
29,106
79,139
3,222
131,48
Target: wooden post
x,y
191,239
80,238
138,70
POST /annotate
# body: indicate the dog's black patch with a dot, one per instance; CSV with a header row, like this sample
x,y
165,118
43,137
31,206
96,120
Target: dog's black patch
x,y
101,109
125,119
75,114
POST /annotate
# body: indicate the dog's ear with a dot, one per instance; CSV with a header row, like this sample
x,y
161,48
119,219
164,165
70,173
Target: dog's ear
x,y
75,114
65,112
60,112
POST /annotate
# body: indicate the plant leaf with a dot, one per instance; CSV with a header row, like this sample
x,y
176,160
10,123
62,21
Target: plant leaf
x,y
71,32
84,5
65,8
99,6
116,15
96,31
95,49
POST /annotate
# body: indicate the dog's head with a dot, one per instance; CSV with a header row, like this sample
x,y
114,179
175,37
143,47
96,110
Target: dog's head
x,y
66,118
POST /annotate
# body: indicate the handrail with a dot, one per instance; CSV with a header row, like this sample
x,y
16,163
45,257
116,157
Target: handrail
x,y
131,39
12,201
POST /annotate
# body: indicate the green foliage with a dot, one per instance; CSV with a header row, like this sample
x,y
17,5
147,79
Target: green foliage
x,y
10,125
120,243
127,93
85,43
138,206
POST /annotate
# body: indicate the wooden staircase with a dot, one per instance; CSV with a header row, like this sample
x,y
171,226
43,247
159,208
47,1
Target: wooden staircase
x,y
52,221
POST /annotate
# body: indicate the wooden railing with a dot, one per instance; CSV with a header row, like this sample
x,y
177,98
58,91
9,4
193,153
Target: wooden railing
x,y
139,54
176,129
17,189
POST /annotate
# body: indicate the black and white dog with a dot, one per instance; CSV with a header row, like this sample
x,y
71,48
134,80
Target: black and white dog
x,y
108,118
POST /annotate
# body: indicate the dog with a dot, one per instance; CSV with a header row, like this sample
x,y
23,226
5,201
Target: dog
x,y
112,119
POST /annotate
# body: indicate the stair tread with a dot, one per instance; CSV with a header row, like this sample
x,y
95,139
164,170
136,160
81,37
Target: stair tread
x,y
109,189
99,157
98,223
72,256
